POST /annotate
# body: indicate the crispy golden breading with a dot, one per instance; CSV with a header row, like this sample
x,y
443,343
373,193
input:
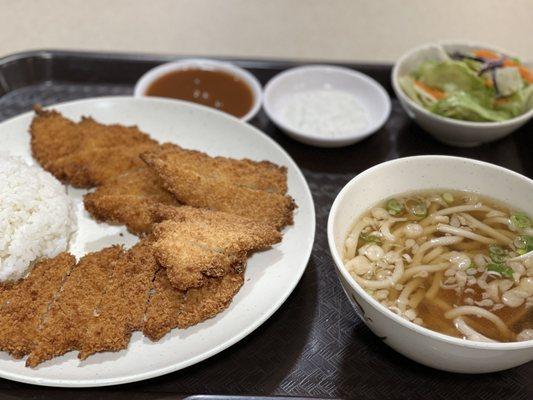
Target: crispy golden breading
x,y
94,166
87,153
128,199
259,175
193,244
223,184
24,304
170,308
122,307
63,328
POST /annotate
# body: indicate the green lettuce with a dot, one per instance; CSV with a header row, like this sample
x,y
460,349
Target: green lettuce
x,y
462,105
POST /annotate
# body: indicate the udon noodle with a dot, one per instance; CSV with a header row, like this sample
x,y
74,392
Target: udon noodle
x,y
453,262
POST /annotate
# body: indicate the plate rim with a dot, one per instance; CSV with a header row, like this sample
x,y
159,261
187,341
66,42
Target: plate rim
x,y
307,252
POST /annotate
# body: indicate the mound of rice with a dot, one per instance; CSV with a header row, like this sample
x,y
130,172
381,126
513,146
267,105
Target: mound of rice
x,y
37,218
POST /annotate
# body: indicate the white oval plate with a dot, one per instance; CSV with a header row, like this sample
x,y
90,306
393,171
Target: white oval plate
x,y
271,275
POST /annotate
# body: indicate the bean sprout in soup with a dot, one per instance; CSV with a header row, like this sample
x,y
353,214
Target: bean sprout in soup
x,y
453,262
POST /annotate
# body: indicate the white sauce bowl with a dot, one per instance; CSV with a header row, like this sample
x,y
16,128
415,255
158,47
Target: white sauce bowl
x,y
448,130
251,81
418,173
370,95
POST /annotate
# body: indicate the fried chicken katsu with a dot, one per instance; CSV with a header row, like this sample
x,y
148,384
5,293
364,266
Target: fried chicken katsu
x,y
241,187
170,308
128,199
194,244
122,307
64,325
23,305
87,153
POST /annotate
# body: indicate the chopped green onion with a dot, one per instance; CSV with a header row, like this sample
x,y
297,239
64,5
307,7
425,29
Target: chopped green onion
x,y
448,197
394,207
497,254
503,270
520,221
370,238
524,244
417,209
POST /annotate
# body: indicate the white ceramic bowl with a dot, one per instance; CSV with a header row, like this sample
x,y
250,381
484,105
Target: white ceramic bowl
x,y
450,131
155,73
416,173
371,96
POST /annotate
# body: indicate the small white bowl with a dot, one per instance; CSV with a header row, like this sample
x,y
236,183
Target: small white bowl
x,y
417,173
448,130
371,96
152,75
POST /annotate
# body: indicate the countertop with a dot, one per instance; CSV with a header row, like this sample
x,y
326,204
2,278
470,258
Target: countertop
x,y
343,30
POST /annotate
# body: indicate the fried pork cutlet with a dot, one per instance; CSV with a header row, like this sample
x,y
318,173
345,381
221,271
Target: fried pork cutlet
x,y
194,244
94,166
170,308
122,307
25,303
64,326
128,199
242,187
259,175
86,153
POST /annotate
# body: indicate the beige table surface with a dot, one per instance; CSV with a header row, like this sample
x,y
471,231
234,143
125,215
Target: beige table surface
x,y
351,30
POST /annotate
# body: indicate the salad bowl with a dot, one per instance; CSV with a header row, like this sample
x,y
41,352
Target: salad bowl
x,y
453,131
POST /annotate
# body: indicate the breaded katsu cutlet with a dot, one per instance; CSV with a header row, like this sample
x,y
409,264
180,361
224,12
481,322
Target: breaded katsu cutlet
x,y
64,325
242,187
85,153
123,305
194,244
170,308
24,304
128,199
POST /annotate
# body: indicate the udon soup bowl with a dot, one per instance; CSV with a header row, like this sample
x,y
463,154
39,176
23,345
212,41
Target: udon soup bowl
x,y
418,173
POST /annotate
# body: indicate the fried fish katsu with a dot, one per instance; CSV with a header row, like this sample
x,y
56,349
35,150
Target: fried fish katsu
x,y
128,199
64,325
24,304
170,308
240,187
122,306
87,153
194,244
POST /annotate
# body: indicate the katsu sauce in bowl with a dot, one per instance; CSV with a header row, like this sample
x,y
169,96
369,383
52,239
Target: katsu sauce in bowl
x,y
211,83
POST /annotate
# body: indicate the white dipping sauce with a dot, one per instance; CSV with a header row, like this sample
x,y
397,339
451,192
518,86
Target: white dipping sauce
x,y
324,112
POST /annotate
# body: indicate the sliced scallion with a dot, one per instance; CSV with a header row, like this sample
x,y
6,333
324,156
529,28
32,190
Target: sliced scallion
x,y
416,208
502,269
520,221
448,198
394,207
497,254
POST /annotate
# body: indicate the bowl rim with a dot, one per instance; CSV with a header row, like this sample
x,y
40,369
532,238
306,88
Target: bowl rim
x,y
457,122
377,88
378,306
156,72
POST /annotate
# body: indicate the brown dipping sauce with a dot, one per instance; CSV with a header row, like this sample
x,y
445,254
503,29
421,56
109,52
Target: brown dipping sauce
x,y
213,88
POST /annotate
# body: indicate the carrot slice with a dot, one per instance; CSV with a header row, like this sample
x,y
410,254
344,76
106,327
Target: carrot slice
x,y
487,54
526,73
437,93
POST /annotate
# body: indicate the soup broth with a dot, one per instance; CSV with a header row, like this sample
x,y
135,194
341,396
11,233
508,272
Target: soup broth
x,y
454,262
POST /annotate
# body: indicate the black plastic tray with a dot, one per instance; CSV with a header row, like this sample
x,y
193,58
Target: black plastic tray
x,y
314,345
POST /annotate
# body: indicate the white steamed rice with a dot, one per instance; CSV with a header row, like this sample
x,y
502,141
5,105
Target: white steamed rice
x,y
37,218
